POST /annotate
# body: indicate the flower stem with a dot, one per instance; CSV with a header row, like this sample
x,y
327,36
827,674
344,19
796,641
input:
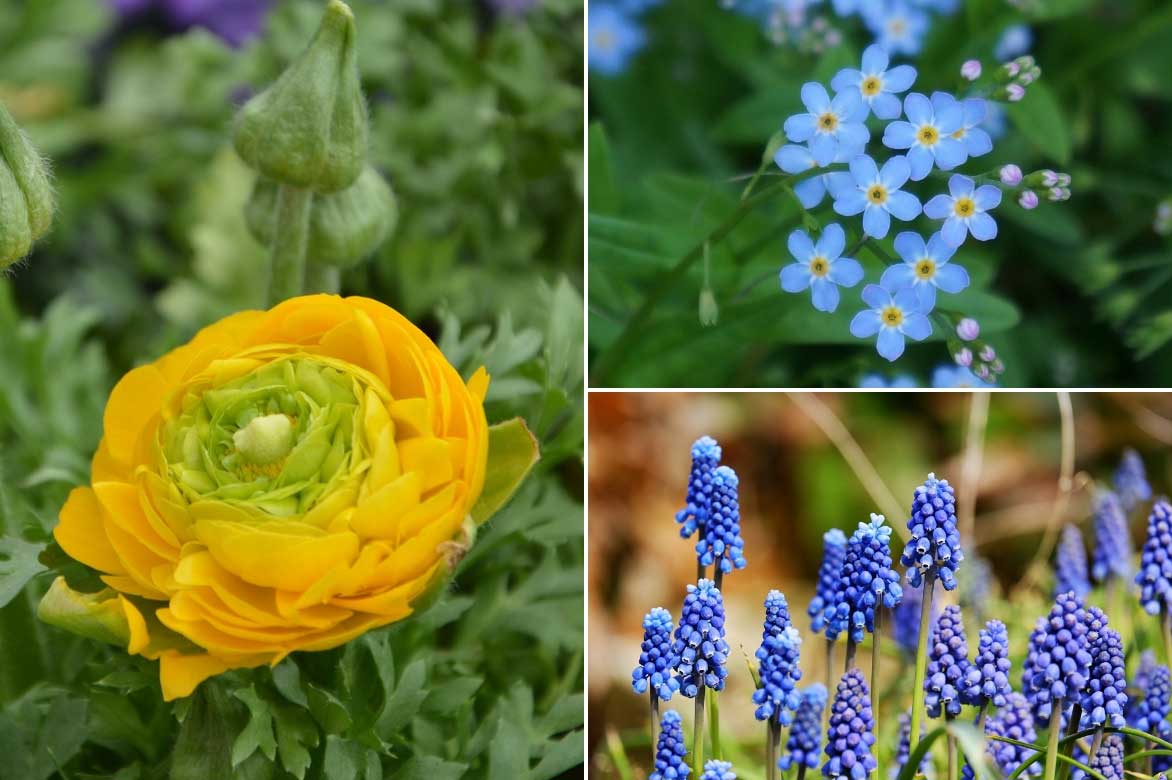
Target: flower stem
x,y
714,725
921,664
1096,743
875,656
1167,625
1071,730
951,748
322,278
1052,741
698,734
770,752
290,237
829,678
981,714
801,772
654,720
851,646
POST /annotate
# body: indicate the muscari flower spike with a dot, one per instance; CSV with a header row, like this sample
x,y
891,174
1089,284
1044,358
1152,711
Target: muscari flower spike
x,y
1059,660
778,658
948,665
1131,481
833,552
671,750
1141,681
867,582
1155,565
988,678
718,770
903,752
1014,721
933,551
851,732
1109,760
1070,566
1111,556
705,459
656,660
977,587
699,646
722,543
1104,700
805,736
1153,709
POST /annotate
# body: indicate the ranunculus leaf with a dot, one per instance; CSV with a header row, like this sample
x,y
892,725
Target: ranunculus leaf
x,y
18,565
512,453
94,615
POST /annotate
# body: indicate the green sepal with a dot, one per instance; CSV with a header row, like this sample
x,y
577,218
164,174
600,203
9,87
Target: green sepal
x,y
309,128
344,227
26,198
94,615
512,454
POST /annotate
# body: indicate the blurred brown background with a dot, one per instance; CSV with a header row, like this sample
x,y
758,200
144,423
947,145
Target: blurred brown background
x,y
808,463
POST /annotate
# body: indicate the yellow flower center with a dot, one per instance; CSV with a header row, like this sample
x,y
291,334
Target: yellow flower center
x,y
892,316
897,27
877,194
959,134
926,268
828,122
964,207
819,265
872,85
928,135
604,40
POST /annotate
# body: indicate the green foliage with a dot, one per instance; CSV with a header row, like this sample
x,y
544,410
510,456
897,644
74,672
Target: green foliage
x,y
1072,293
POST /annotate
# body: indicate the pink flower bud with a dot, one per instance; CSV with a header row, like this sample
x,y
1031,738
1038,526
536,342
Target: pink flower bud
x,y
982,372
964,357
968,329
1015,92
1049,178
1055,193
971,70
1028,200
1012,69
987,354
1010,174
1064,180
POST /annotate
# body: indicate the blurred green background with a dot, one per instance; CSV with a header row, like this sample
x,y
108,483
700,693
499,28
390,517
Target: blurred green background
x,y
476,120
1071,294
1002,452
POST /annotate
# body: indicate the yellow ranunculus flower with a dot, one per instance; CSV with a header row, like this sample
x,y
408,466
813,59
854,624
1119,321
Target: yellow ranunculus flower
x,y
286,481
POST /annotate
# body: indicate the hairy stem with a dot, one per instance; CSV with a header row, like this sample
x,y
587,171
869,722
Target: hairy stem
x,y
322,278
287,274
921,664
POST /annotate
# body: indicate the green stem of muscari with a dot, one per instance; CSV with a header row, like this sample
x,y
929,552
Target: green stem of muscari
x,y
921,663
609,359
981,714
714,724
1166,621
654,719
290,238
770,752
1071,730
875,655
698,734
829,678
1039,755
1096,743
1052,744
950,745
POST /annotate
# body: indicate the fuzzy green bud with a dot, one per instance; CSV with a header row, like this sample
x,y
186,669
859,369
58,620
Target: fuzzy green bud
x,y
344,228
266,439
309,129
26,198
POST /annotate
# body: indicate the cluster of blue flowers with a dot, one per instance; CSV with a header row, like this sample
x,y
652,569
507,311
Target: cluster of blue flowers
x,y
777,658
1070,566
670,751
805,736
699,646
933,551
852,731
656,661
903,750
705,459
1150,713
1104,700
718,770
905,623
1155,567
1112,552
948,665
833,553
1058,661
721,543
1014,721
866,581
988,679
615,34
1131,481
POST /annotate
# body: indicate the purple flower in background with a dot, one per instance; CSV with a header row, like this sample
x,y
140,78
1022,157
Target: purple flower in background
x,y
1070,568
235,21
1112,551
1131,481
833,553
805,737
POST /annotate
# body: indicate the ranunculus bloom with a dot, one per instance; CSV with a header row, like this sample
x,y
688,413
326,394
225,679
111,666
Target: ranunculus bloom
x,y
286,481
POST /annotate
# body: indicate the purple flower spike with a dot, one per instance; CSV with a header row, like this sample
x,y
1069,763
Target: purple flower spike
x,y
829,573
1059,661
722,543
1155,567
1071,564
699,647
705,459
933,551
867,582
1112,551
778,658
1131,481
851,732
656,660
948,665
671,752
805,736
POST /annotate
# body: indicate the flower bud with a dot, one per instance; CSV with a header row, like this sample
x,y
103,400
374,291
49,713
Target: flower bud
x,y
26,199
1028,200
971,70
1015,92
309,129
968,329
709,310
964,357
1054,193
982,372
988,354
344,228
1010,174
1049,178
1064,180
997,366
1010,70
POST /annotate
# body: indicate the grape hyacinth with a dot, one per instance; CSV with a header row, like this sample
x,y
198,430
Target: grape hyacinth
x,y
905,623
988,677
722,543
1131,481
705,459
1141,682
934,547
1013,721
656,661
1153,709
1058,661
948,664
718,770
1104,699
829,573
1112,552
851,732
670,751
1071,564
903,752
867,582
1155,567
1109,760
699,647
977,587
777,658
805,736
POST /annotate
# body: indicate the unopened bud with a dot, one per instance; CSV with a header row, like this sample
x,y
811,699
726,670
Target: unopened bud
x,y
971,70
26,198
709,310
988,354
1010,174
1028,200
968,329
1015,92
964,357
1049,178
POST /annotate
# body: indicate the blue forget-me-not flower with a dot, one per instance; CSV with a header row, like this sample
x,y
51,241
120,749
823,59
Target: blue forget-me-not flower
x,y
820,267
829,124
892,315
878,85
793,158
925,268
614,37
927,133
964,210
877,194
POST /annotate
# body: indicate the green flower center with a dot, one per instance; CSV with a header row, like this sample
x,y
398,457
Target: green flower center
x,y
278,438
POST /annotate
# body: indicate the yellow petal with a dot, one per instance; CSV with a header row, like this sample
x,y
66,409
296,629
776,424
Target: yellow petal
x,y
284,555
180,674
124,508
430,458
377,516
82,535
134,401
